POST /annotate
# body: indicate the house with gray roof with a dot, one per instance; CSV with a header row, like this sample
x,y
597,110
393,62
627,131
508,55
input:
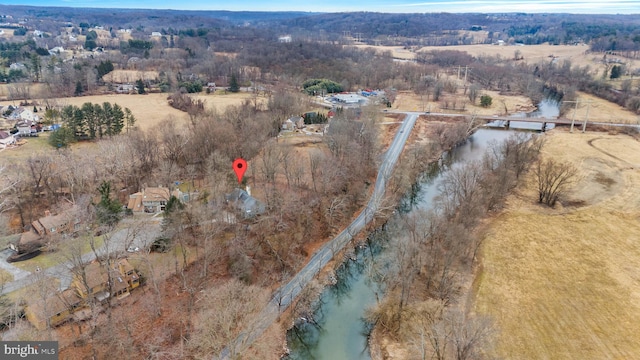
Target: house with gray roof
x,y
244,203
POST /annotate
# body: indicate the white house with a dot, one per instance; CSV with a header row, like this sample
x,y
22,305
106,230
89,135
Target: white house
x,y
156,34
26,128
288,125
18,66
23,113
56,50
6,139
284,39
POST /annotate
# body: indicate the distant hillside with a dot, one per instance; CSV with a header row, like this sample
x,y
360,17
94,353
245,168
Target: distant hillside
x,y
519,27
149,17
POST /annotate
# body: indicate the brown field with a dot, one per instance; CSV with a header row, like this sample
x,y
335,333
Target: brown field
x,y
564,283
221,100
577,54
602,111
599,110
409,101
148,109
129,76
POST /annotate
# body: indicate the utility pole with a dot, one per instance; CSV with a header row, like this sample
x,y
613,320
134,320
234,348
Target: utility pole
x,y
573,119
575,109
584,126
466,68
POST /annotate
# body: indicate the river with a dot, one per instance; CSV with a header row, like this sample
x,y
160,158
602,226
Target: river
x,y
338,330
547,108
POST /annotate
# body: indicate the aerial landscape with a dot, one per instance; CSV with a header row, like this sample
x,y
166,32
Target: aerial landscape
x,y
362,180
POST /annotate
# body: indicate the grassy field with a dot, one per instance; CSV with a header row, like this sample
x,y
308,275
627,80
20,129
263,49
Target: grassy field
x,y
564,283
577,54
598,110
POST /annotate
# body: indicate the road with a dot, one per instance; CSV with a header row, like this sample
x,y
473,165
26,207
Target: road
x,y
137,234
285,295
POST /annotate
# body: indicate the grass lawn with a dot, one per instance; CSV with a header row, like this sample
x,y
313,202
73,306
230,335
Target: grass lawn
x,y
5,277
33,145
49,259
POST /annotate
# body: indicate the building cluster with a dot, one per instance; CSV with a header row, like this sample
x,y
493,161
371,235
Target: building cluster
x,y
17,122
93,282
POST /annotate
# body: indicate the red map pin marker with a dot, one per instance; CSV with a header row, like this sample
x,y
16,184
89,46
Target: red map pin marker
x,y
239,166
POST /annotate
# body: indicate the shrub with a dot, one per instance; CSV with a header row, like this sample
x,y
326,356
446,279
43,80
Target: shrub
x,y
485,101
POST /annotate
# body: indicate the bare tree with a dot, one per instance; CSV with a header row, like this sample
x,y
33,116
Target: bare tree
x,y
6,184
224,312
553,179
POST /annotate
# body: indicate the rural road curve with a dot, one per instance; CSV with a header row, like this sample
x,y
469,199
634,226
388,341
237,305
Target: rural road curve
x,y
283,297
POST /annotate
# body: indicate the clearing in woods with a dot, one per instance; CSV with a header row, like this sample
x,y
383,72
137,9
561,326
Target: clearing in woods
x,y
564,283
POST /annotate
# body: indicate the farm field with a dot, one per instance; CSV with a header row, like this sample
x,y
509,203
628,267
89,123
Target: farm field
x,y
563,283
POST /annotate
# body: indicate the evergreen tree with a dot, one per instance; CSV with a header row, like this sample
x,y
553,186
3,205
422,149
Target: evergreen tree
x,y
485,101
79,89
61,137
616,72
117,120
234,86
140,86
108,210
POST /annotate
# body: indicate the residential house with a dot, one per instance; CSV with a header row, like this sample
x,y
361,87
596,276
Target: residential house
x,y
94,281
125,88
244,203
129,273
66,222
153,199
27,128
56,50
298,122
284,39
6,139
100,282
18,66
52,310
23,113
288,125
156,34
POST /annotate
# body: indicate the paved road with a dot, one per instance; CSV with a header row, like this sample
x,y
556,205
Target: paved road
x,y
138,234
288,292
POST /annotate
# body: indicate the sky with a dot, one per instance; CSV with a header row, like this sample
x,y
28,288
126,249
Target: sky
x,y
392,6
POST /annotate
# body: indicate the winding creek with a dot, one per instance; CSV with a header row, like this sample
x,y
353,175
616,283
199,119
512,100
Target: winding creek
x,y
338,330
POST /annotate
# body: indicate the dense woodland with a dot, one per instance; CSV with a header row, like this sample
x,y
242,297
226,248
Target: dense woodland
x,y
307,198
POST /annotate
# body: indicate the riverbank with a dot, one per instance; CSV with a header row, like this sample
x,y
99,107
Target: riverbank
x,y
415,160
433,251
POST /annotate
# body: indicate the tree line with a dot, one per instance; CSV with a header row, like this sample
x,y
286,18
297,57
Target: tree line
x,y
430,253
89,122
